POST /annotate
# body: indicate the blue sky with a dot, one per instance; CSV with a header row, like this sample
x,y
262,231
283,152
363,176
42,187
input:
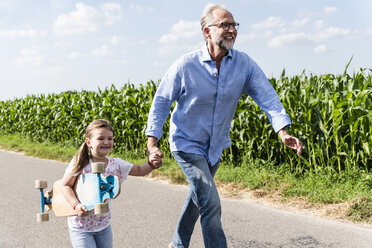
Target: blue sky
x,y
51,46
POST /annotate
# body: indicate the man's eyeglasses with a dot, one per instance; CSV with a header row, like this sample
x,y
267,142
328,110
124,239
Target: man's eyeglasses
x,y
226,25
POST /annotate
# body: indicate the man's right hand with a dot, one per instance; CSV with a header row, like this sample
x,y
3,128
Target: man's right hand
x,y
154,154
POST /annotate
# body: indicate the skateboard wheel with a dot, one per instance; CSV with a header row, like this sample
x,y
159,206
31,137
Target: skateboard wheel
x,y
41,184
101,208
98,167
42,217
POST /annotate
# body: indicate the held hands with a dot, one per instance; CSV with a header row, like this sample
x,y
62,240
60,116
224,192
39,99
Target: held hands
x,y
290,141
154,154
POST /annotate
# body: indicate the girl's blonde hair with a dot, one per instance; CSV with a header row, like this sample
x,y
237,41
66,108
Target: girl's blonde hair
x,y
81,159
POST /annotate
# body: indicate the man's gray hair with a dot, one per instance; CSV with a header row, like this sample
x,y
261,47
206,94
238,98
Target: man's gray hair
x,y
207,16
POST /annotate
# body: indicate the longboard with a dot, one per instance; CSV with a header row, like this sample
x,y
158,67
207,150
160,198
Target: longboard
x,y
91,189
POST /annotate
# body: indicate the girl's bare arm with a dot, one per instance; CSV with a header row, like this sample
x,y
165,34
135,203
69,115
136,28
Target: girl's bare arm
x,y
68,182
141,170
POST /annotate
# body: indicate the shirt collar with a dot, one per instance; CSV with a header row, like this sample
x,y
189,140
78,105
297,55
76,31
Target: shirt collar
x,y
205,56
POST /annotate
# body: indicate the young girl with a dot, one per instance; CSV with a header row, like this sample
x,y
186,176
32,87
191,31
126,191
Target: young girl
x,y
87,229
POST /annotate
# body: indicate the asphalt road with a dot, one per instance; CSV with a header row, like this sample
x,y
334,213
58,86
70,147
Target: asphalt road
x,y
146,212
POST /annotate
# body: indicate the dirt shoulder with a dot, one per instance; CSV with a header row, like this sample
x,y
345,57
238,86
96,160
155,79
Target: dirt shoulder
x,y
335,211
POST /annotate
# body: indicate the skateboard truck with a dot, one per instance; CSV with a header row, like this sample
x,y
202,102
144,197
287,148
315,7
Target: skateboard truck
x,y
104,187
42,184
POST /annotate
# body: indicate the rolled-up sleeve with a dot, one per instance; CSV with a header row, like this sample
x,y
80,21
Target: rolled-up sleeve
x,y
263,93
166,94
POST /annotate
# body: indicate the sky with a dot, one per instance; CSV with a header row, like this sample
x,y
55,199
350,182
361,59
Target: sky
x,y
51,46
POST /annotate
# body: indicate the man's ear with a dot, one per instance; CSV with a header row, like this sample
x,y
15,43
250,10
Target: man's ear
x,y
206,32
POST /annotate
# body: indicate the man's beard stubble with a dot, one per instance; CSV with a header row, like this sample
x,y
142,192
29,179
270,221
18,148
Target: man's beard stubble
x,y
223,44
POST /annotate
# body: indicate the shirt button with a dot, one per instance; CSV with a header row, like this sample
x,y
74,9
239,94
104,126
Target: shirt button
x,y
215,75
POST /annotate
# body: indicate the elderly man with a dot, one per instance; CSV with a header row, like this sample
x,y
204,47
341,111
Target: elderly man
x,y
207,85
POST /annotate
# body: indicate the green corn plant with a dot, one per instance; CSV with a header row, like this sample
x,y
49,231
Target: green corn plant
x,y
331,114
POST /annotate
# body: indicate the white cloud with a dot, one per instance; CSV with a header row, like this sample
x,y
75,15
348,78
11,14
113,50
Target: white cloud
x,y
33,59
116,39
253,36
137,8
30,58
299,34
290,39
100,52
140,9
22,33
50,70
76,55
369,31
112,13
331,32
302,38
271,22
158,64
116,62
329,10
319,24
85,19
306,13
58,4
30,52
321,49
300,23
182,30
169,49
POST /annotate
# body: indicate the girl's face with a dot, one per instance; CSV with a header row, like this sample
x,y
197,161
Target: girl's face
x,y
101,142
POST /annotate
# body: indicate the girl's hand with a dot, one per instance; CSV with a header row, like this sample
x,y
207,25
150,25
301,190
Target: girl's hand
x,y
81,210
154,159
154,154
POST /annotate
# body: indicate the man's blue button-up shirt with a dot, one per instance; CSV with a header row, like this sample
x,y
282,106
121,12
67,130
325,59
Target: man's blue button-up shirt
x,y
206,101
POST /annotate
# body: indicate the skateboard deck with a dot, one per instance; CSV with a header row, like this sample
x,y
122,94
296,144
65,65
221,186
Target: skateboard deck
x,y
109,188
91,190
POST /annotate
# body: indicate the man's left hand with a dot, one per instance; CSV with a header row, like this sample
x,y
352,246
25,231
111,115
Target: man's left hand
x,y
290,141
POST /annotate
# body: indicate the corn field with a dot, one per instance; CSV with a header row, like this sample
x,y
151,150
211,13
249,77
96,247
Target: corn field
x,y
63,118
331,114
